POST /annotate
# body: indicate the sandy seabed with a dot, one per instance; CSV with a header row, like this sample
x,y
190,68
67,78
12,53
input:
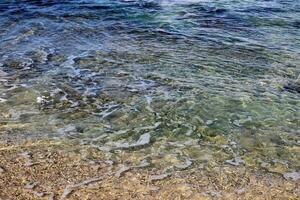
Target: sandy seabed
x,y
52,169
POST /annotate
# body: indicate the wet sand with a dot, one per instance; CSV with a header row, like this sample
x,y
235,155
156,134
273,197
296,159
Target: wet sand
x,y
53,169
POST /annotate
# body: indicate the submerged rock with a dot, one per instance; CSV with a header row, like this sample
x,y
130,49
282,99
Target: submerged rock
x,y
235,161
3,100
184,165
292,87
122,170
209,122
292,176
143,140
159,177
2,170
31,185
71,188
39,194
2,73
38,56
18,63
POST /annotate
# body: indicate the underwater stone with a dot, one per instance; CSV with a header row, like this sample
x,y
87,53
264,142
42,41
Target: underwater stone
x,y
110,162
156,125
70,188
2,170
144,163
184,165
41,100
26,154
122,170
292,176
292,87
209,122
159,177
31,185
39,194
18,63
39,56
51,196
143,140
2,100
240,191
2,73
235,161
67,129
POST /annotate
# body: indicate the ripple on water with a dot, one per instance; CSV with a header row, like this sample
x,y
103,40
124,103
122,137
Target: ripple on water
x,y
200,81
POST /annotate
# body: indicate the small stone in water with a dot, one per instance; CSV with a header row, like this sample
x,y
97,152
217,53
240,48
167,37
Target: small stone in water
x,y
2,73
201,166
39,194
144,163
185,165
209,122
154,188
240,191
40,100
292,176
109,162
189,132
31,185
2,100
159,177
67,129
26,154
236,122
143,140
30,163
1,170
235,161
214,194
121,171
51,196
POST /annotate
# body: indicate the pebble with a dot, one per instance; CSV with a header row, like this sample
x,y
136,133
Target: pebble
x,y
109,162
121,171
2,170
209,122
51,196
159,177
2,100
241,191
40,100
31,185
143,140
39,194
184,165
26,154
236,122
235,161
232,143
294,176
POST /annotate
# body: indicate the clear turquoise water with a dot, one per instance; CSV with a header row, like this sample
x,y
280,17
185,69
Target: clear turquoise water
x,y
197,80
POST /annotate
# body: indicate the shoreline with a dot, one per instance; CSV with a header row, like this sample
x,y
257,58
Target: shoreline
x,y
52,169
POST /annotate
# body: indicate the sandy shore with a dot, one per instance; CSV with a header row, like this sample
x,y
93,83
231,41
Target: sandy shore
x,y
51,169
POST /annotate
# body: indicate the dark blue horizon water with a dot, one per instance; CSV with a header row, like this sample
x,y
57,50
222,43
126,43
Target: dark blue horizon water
x,y
203,80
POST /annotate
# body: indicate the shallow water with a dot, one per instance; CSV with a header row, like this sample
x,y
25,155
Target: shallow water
x,y
174,82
